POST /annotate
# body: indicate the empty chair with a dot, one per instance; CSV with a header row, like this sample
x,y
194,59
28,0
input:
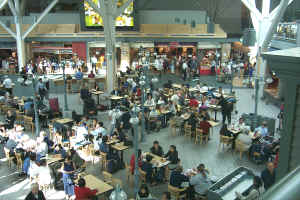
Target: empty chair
x,y
225,140
188,130
28,123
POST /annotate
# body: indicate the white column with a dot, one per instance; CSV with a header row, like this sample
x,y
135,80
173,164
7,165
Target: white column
x,y
19,41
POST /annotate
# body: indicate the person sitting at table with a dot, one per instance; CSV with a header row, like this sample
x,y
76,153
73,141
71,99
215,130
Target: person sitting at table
x,y
255,192
193,102
245,139
161,101
154,120
115,92
177,177
91,74
84,193
200,181
192,120
35,193
204,113
132,161
41,148
240,125
147,167
76,159
263,129
58,149
204,103
30,111
97,142
150,101
175,98
156,149
120,135
168,84
172,156
143,193
205,126
10,120
225,132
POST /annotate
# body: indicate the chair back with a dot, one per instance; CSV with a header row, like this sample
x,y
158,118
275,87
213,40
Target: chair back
x,y
6,153
239,146
103,156
27,119
225,139
116,181
199,131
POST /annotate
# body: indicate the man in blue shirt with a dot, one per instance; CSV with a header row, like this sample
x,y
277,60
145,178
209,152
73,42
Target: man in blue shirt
x,y
177,178
79,77
262,130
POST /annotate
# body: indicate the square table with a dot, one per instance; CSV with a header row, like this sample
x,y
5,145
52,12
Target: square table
x,y
93,182
97,93
157,161
120,147
64,120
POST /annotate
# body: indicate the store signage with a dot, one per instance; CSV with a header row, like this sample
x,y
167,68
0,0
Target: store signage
x,y
175,44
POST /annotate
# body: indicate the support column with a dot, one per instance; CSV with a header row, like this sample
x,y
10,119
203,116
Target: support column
x,y
286,64
298,34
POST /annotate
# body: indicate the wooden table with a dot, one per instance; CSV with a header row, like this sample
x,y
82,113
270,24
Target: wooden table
x,y
176,85
64,120
158,161
97,93
215,108
114,97
93,182
120,147
112,141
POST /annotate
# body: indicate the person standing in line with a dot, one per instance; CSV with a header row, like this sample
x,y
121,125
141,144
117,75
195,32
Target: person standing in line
x,y
184,70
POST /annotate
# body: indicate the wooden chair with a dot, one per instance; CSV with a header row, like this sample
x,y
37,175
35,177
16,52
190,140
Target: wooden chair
x,y
19,117
188,130
173,127
225,140
200,137
9,159
107,177
19,161
4,109
240,147
129,174
28,122
104,161
142,175
178,193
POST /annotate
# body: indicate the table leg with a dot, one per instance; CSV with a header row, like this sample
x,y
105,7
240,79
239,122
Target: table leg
x,y
98,98
216,116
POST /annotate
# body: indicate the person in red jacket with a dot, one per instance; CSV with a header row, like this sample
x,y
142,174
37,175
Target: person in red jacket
x,y
205,126
132,161
84,193
194,102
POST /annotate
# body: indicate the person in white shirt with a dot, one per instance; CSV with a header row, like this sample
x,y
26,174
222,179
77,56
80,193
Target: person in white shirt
x,y
184,70
44,173
175,99
149,102
94,61
160,101
240,125
113,115
42,148
8,84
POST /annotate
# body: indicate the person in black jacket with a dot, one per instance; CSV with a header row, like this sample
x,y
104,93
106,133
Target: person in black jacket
x,y
177,178
156,149
148,169
226,108
10,120
172,156
35,193
268,176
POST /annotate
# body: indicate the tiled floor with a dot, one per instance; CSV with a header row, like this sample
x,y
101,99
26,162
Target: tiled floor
x,y
219,163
